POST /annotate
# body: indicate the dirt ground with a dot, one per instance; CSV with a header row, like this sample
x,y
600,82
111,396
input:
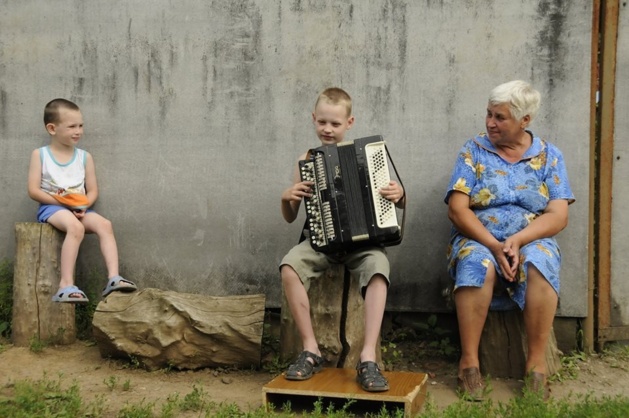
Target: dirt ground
x,y
81,362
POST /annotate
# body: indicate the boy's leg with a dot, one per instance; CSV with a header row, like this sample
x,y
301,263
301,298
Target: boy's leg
x,y
299,305
65,221
371,268
102,227
375,302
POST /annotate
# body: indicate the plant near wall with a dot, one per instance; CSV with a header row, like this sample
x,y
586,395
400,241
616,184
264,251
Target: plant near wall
x,y
6,298
84,312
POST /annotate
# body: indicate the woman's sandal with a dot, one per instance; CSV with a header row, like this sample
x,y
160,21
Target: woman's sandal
x,y
302,368
370,377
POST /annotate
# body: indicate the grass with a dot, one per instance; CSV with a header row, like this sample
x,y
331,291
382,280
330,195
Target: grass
x,y
48,397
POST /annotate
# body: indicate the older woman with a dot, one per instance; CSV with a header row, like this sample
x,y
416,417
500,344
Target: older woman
x,y
507,198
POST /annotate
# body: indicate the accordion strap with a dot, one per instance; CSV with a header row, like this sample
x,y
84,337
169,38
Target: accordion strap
x,y
403,196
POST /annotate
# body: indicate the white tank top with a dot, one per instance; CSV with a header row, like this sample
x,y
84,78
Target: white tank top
x,y
59,178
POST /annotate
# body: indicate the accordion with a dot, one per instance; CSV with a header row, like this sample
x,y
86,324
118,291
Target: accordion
x,y
346,210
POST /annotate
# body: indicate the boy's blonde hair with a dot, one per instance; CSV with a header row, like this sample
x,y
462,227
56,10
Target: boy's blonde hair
x,y
51,111
335,96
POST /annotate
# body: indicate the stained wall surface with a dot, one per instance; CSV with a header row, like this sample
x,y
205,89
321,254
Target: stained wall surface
x,y
195,113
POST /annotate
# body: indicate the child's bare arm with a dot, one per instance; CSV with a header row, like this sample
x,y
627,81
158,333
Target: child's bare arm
x,y
34,182
292,196
91,185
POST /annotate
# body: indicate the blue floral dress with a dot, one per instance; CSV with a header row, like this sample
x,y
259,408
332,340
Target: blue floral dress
x,y
506,197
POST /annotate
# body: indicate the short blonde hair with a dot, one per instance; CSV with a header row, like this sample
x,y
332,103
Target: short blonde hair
x,y
521,97
335,96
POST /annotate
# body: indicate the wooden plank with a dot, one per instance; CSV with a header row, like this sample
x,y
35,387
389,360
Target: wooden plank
x,y
588,322
609,35
620,333
407,390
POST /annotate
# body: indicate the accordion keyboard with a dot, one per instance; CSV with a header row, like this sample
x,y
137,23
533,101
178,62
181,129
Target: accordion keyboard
x,y
320,220
379,177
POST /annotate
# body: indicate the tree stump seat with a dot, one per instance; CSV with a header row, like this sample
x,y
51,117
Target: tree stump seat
x,y
35,281
503,345
337,312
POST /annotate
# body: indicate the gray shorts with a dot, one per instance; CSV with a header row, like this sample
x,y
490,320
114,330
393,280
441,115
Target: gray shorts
x,y
363,264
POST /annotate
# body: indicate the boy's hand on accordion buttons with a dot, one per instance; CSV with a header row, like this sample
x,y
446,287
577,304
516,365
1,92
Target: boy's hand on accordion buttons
x,y
300,190
393,191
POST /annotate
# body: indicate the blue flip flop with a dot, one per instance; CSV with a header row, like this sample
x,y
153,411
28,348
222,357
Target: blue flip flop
x,y
64,295
114,284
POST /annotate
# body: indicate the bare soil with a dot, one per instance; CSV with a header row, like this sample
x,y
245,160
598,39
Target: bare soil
x,y
81,363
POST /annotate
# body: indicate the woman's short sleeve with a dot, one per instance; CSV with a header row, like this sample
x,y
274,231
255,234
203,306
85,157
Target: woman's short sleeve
x,y
557,177
464,172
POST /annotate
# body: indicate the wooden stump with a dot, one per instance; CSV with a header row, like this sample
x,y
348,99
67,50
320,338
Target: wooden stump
x,y
35,280
502,351
338,319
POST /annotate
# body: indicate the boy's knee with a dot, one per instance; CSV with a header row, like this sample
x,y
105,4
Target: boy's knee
x,y
75,229
107,226
102,227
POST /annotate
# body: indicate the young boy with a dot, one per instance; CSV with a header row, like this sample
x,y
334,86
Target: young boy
x,y
62,179
332,118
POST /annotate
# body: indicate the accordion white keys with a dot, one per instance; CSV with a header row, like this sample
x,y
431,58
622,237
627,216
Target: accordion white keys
x,y
346,210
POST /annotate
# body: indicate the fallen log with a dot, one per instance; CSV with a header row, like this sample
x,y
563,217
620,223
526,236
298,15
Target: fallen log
x,y
180,330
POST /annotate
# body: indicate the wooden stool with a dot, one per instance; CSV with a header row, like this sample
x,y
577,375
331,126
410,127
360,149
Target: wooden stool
x,y
338,319
338,386
35,280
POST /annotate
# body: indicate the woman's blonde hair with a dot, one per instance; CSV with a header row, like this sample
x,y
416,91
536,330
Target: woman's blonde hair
x,y
521,97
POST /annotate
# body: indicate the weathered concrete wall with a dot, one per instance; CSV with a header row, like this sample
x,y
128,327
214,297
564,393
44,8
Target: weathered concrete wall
x,y
620,186
196,111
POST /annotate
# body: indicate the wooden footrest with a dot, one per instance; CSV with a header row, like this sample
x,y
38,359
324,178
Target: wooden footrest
x,y
338,386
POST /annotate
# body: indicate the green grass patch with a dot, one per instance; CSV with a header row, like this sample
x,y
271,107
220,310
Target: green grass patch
x,y
53,398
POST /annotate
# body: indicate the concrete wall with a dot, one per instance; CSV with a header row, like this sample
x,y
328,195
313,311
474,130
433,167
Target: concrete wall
x,y
620,188
195,112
